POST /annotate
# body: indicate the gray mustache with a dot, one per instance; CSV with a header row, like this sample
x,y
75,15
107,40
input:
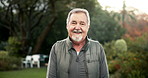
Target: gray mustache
x,y
77,31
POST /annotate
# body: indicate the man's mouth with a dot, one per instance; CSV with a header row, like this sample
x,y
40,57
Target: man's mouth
x,y
77,31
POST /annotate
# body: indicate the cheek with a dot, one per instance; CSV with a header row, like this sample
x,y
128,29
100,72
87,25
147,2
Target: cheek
x,y
85,30
68,29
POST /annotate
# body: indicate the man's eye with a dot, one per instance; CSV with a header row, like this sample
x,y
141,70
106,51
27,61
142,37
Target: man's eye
x,y
73,23
82,23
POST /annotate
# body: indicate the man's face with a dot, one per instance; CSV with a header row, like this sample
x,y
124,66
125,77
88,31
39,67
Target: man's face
x,y
77,27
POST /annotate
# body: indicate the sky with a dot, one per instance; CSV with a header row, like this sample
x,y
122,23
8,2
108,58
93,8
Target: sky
x,y
116,5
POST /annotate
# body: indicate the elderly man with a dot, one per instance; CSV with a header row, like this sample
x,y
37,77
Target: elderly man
x,y
77,56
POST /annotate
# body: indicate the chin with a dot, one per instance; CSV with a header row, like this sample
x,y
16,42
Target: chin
x,y
77,38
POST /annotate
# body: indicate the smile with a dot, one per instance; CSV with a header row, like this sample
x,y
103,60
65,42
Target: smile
x,y
77,31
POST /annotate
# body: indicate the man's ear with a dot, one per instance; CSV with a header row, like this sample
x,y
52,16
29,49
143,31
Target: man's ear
x,y
66,26
88,26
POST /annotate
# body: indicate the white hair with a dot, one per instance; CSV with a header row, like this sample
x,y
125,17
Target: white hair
x,y
77,10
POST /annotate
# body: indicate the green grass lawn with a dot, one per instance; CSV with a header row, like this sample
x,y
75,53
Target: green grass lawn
x,y
24,73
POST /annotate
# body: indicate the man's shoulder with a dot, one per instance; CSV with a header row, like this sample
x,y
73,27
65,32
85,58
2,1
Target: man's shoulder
x,y
93,41
61,41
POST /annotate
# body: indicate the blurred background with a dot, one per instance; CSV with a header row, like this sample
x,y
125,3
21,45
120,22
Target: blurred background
x,y
29,28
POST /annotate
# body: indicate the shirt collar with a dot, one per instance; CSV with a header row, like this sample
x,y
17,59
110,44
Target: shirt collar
x,y
69,43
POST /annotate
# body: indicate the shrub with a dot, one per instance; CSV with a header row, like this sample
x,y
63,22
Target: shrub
x,y
9,62
114,48
121,45
127,64
13,46
3,54
136,74
139,44
110,50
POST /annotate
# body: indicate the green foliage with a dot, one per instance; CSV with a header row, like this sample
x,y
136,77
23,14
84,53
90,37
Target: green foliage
x,y
129,64
126,64
136,74
139,44
3,53
104,28
8,62
113,49
13,46
132,62
121,45
110,50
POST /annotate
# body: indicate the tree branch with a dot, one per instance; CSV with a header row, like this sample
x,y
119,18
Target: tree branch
x,y
38,21
3,3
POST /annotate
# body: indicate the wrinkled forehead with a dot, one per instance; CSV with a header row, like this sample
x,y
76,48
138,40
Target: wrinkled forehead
x,y
78,17
77,12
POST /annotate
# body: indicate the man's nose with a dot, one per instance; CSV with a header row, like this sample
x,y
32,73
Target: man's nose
x,y
78,26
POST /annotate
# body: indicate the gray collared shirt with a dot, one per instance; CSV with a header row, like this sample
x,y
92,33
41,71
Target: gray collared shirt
x,y
64,62
77,67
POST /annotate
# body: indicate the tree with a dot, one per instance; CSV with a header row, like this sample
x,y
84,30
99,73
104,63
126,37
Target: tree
x,y
137,29
105,28
44,33
22,17
39,23
124,15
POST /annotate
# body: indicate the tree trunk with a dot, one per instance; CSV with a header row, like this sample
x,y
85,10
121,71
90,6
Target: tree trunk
x,y
42,36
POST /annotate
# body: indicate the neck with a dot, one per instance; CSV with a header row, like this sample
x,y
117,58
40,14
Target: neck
x,y
78,45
